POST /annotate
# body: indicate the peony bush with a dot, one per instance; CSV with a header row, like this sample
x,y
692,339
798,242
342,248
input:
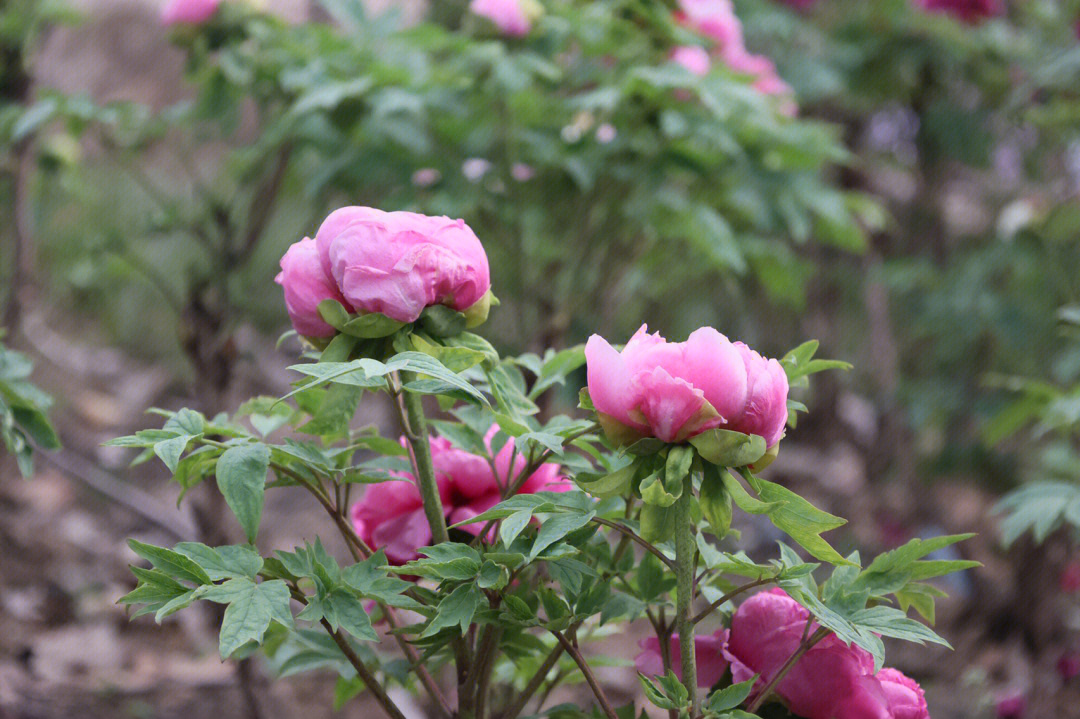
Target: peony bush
x,y
490,545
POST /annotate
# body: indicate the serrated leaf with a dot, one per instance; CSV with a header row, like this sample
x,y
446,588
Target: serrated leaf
x,y
555,528
457,609
173,563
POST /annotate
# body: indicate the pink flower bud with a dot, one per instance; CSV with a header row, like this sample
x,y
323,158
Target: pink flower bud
x,y
1068,665
830,681
671,391
693,57
398,263
708,649
765,412
306,285
1069,579
512,17
1010,704
905,696
193,12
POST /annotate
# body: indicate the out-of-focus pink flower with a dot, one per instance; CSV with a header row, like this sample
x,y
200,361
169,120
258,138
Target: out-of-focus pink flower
x,y
765,412
471,486
391,515
713,18
1069,580
668,390
969,11
475,168
830,681
1010,704
605,133
1068,665
522,172
426,177
398,263
693,57
192,12
306,285
512,17
708,649
905,696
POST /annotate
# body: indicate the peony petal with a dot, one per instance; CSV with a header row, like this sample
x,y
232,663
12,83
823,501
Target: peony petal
x,y
609,382
715,366
402,536
672,407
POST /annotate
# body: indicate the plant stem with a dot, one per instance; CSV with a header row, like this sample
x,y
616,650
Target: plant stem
x,y
629,534
534,684
820,634
370,682
417,435
597,690
731,595
684,588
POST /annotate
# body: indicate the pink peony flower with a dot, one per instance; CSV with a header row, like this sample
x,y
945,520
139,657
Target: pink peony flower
x,y
709,650
905,696
830,681
969,11
194,12
306,285
765,412
398,263
391,514
510,16
714,19
693,57
671,391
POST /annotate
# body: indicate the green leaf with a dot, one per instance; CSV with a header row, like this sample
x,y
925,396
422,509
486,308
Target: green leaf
x,y
800,520
442,321
241,478
657,523
654,491
172,563
725,448
742,498
513,525
730,697
170,450
449,560
555,528
456,609
614,484
677,466
251,609
223,562
343,609
421,363
715,503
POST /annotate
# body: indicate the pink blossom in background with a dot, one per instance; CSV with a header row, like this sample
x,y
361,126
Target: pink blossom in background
x,y
708,649
693,57
522,172
668,390
1010,704
510,16
475,168
398,263
714,19
390,515
193,12
426,177
969,11
606,133
1068,665
472,487
905,696
306,284
1069,579
830,681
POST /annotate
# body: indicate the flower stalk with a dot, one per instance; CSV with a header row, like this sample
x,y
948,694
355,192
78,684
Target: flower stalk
x,y
685,551
416,434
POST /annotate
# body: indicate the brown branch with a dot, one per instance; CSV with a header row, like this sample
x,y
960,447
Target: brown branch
x,y
534,684
262,203
594,685
367,677
731,595
629,533
820,634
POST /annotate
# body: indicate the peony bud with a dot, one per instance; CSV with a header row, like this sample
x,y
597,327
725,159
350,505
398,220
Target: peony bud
x,y
306,285
398,263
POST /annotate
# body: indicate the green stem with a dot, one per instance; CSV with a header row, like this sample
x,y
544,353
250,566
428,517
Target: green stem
x,y
417,435
685,549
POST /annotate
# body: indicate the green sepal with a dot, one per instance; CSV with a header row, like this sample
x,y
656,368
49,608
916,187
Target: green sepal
x,y
725,448
715,502
657,523
369,325
441,321
477,313
613,484
619,434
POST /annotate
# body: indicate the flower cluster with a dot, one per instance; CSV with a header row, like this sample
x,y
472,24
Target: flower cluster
x,y
394,263
716,20
676,390
830,681
390,515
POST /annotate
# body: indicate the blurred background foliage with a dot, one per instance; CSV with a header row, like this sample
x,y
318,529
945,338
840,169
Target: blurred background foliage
x,y
919,214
